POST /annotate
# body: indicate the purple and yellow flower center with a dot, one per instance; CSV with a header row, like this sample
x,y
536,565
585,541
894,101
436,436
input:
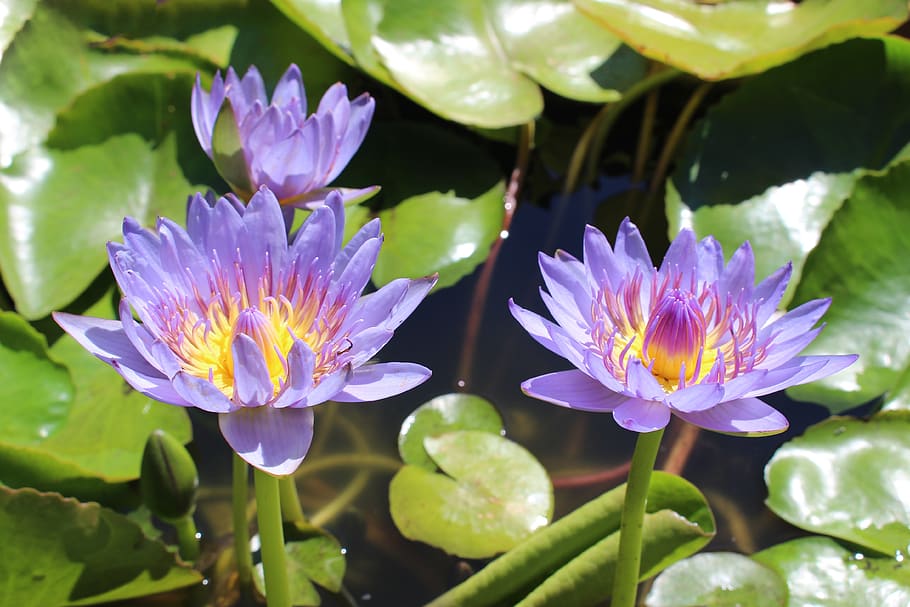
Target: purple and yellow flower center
x,y
684,334
274,315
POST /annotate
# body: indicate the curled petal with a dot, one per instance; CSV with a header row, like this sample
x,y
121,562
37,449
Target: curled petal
x,y
272,440
640,415
745,416
381,380
573,389
201,393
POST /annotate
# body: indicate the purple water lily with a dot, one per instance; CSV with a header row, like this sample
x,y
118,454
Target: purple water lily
x,y
293,154
695,338
236,321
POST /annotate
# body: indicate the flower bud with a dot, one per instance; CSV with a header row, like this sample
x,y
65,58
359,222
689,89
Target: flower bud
x,y
168,480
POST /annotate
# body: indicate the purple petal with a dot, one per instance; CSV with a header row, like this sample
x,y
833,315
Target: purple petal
x,y
329,385
642,383
290,91
573,389
681,257
630,249
252,383
359,268
315,198
594,366
272,440
800,370
797,321
154,351
372,229
355,131
601,265
548,334
710,260
263,250
204,109
301,365
739,275
381,380
567,284
201,393
155,386
640,415
746,416
696,398
286,166
769,292
245,92
578,328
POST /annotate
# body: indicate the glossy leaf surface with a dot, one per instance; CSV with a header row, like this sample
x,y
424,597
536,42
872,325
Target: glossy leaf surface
x,y
57,551
717,579
820,571
445,413
493,494
726,39
845,477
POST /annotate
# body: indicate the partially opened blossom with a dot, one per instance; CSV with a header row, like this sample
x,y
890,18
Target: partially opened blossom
x,y
695,338
236,321
294,155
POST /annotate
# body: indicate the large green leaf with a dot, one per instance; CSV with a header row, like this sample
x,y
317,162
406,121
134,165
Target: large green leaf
x,y
572,561
59,208
821,572
16,14
36,392
494,496
57,551
318,559
438,232
729,38
832,111
860,263
782,225
443,414
441,200
845,477
477,62
50,63
102,438
717,579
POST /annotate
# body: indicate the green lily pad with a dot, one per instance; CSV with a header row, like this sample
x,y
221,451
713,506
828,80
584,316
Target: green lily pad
x,y
36,392
782,225
57,551
718,579
833,111
438,232
100,443
319,559
730,38
496,494
859,263
845,478
478,62
444,413
59,209
572,561
821,572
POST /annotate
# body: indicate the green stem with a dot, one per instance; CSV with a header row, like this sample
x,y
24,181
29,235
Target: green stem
x,y
271,537
186,538
291,511
590,145
239,499
625,582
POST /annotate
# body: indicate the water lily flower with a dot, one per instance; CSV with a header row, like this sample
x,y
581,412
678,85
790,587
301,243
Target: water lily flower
x,y
237,321
276,144
695,338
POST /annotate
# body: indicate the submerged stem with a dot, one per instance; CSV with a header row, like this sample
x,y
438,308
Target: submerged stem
x,y
186,538
239,499
271,536
291,511
628,564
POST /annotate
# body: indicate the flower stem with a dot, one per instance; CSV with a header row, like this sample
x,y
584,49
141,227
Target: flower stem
x,y
291,511
625,582
239,499
271,536
186,538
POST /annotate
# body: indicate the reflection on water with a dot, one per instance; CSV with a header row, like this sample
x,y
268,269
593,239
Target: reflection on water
x,y
584,452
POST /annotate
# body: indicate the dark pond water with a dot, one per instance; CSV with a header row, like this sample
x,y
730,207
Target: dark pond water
x,y
582,451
